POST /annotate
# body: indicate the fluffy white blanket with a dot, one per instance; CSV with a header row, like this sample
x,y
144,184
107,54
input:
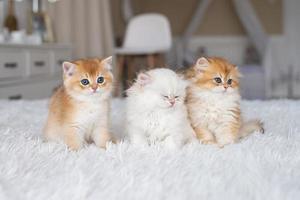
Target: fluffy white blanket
x,y
259,167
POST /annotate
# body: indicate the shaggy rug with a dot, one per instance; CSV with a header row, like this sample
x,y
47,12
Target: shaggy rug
x,y
259,167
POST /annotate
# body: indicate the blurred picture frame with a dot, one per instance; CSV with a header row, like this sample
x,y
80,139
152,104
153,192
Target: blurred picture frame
x,y
40,22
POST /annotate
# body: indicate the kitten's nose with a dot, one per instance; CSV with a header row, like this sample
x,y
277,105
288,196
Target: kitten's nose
x,y
225,86
172,101
94,88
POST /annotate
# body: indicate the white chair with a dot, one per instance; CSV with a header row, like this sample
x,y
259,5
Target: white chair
x,y
146,35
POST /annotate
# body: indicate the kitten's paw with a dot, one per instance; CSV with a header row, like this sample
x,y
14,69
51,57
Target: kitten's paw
x,y
226,139
205,136
74,143
102,145
139,141
74,146
222,143
102,140
211,141
172,144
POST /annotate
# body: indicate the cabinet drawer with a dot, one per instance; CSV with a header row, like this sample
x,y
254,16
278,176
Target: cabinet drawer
x,y
36,90
39,63
59,57
12,64
296,82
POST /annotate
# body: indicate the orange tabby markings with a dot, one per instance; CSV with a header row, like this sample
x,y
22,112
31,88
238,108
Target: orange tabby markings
x,y
79,109
213,102
205,136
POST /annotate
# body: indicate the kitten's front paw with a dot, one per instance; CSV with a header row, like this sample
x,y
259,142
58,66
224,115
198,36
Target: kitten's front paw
x,y
225,141
172,144
102,145
75,146
102,137
209,141
73,143
138,141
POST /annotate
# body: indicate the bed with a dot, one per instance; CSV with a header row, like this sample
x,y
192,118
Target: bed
x,y
259,167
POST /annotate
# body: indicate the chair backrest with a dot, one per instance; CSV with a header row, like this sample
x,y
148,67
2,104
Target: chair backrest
x,y
148,31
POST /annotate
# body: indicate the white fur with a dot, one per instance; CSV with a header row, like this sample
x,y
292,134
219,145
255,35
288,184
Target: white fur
x,y
92,120
211,109
90,117
257,168
150,116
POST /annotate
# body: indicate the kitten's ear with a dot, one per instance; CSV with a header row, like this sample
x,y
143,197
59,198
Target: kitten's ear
x,y
68,68
107,62
239,75
143,79
201,64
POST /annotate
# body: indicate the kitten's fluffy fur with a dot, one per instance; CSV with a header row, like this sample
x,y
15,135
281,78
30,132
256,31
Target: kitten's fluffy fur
x,y
78,113
156,111
214,108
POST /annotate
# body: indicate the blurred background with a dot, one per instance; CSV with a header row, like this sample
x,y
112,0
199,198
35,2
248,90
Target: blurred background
x,y
260,36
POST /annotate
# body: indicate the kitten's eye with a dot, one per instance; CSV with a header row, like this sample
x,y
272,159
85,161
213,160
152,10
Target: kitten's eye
x,y
218,80
165,96
229,81
100,80
176,97
84,81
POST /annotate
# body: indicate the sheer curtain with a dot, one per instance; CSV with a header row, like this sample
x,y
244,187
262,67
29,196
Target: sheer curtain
x,y
84,24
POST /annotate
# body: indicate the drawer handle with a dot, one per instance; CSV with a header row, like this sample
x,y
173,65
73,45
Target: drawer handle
x,y
39,63
11,65
15,97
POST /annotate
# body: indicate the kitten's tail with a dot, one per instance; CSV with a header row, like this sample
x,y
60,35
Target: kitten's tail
x,y
251,126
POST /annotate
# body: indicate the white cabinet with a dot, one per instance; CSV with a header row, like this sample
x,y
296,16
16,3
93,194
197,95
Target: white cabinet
x,y
39,62
11,64
59,57
31,71
30,90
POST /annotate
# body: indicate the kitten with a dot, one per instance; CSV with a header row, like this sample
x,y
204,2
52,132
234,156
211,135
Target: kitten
x,y
156,111
214,102
79,110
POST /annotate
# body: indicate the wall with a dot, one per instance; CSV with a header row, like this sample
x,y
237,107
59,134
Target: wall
x,y
221,32
220,18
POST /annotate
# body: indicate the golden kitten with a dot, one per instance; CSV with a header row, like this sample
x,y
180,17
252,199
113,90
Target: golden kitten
x,y
79,109
214,102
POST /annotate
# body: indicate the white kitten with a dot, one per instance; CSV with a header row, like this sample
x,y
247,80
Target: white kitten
x,y
156,110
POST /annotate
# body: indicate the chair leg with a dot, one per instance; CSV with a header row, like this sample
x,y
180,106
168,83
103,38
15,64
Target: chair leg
x,y
119,76
162,60
151,61
130,72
